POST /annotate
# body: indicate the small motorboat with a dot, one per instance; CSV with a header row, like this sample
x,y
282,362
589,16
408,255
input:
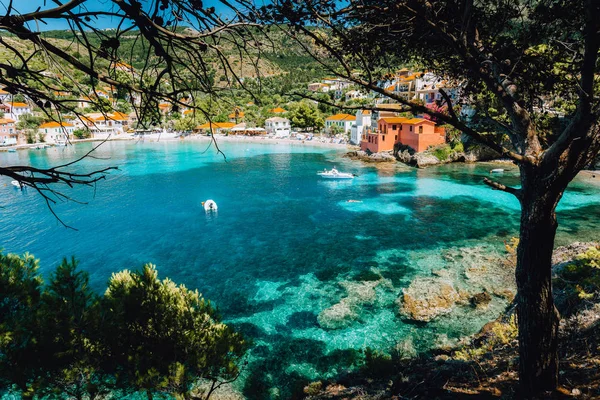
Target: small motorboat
x,y
335,174
497,171
17,184
12,150
209,205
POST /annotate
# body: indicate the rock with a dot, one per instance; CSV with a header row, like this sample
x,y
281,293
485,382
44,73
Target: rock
x,y
384,156
405,157
506,294
345,312
338,316
442,358
313,388
428,298
406,349
423,160
563,255
481,299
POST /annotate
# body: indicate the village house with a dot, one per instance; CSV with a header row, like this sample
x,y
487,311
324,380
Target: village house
x,y
56,132
277,110
277,126
236,117
360,127
354,95
344,121
16,110
319,87
417,133
8,132
101,125
215,127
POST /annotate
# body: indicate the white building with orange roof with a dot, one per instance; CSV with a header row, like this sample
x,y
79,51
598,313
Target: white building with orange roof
x,y
57,132
360,126
16,110
102,125
343,121
8,132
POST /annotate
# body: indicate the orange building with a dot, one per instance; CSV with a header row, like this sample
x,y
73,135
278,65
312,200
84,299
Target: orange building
x,y
417,133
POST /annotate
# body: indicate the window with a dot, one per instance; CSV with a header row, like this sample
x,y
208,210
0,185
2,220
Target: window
x,y
383,138
410,128
421,129
396,137
393,127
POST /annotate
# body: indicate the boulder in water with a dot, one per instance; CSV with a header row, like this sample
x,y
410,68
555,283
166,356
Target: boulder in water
x,y
427,298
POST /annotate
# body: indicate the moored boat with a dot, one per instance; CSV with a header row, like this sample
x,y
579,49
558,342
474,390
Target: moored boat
x,y
335,174
209,205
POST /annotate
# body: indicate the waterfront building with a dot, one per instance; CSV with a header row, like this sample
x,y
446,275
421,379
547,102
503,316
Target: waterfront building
x,y
56,132
8,132
278,126
360,126
417,133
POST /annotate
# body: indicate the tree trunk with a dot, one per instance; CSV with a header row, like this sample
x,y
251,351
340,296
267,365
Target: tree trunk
x,y
537,316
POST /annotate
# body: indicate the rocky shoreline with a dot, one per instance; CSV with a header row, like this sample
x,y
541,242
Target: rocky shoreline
x,y
426,158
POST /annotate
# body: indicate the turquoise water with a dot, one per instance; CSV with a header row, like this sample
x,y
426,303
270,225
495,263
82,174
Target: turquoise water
x,y
285,246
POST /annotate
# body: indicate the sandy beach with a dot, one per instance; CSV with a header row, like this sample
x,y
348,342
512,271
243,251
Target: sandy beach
x,y
316,142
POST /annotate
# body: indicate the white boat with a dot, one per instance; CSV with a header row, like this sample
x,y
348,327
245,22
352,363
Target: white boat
x,y
497,171
17,184
335,174
209,205
12,150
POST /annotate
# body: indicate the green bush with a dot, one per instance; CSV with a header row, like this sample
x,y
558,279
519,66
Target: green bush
x,y
82,133
580,280
142,335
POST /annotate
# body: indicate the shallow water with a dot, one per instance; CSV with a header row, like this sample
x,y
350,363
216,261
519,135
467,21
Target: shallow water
x,y
284,244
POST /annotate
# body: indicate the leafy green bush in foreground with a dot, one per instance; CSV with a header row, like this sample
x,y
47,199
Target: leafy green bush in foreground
x,y
144,334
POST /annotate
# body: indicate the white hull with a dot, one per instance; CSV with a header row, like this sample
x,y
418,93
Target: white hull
x,y
338,176
335,174
209,205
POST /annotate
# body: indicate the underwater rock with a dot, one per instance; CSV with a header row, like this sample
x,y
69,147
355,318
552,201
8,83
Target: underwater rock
x,y
338,316
343,313
428,298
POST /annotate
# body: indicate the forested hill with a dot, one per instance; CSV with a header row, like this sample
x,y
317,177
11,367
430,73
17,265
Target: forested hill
x,y
280,55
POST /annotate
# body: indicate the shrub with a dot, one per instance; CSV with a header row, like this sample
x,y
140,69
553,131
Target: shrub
x,y
81,133
580,280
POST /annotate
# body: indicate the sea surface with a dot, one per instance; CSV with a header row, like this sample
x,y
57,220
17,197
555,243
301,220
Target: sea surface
x,y
285,245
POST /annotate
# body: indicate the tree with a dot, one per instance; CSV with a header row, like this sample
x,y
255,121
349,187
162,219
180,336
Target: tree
x,y
163,337
305,116
519,64
185,124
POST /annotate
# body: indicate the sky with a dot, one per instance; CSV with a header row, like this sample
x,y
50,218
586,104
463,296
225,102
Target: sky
x,y
25,6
